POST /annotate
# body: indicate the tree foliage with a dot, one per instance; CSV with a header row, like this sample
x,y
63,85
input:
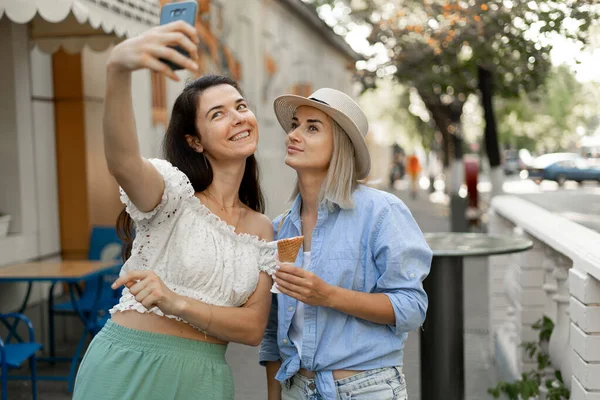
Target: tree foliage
x,y
390,109
549,118
436,46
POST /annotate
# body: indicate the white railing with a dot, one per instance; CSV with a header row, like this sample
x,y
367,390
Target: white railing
x,y
560,279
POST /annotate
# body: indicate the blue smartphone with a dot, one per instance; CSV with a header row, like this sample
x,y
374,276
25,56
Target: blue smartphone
x,y
185,11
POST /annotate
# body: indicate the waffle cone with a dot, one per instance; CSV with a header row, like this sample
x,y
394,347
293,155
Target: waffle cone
x,y
287,249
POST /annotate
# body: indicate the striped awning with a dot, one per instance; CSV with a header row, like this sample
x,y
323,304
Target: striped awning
x,y
71,24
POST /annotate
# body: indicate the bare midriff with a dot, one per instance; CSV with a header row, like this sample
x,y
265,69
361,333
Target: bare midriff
x,y
337,374
154,323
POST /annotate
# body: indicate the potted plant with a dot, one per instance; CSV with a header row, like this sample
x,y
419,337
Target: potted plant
x,y
4,224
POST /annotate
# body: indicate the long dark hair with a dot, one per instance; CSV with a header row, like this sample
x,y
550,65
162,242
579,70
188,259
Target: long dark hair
x,y
193,164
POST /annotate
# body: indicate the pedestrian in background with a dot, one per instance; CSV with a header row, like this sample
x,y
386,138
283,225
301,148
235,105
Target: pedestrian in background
x,y
413,169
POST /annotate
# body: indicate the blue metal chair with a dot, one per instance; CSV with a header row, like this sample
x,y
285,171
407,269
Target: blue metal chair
x,y
104,245
12,355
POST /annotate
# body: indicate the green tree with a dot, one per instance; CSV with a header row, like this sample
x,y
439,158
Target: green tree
x,y
437,46
547,119
389,106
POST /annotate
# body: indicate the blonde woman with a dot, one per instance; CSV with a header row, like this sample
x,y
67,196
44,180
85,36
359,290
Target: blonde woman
x,y
337,329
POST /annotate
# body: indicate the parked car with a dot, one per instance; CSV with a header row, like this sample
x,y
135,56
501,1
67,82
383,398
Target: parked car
x,y
512,162
561,167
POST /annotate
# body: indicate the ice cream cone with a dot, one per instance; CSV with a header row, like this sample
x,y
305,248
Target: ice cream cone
x,y
287,249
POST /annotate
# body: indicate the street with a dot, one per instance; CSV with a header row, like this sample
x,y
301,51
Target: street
x,y
579,203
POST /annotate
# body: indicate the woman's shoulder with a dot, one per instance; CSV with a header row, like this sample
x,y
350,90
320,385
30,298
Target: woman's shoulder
x,y
369,196
260,224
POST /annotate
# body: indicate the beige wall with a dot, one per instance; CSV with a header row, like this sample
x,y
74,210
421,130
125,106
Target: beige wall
x,y
102,189
302,56
258,28
103,194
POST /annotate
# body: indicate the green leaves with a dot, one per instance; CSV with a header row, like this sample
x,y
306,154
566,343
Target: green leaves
x,y
524,388
530,348
436,46
550,116
528,385
427,41
545,326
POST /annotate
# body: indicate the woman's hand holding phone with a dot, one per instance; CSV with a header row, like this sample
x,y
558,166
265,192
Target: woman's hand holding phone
x,y
145,50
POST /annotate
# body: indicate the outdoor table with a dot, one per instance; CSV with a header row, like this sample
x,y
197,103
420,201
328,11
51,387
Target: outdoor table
x,y
442,336
70,273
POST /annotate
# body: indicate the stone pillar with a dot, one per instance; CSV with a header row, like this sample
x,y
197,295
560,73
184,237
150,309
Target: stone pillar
x,y
558,348
529,276
555,286
549,286
497,267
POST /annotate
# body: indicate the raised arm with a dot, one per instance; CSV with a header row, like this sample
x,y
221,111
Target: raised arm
x,y
138,178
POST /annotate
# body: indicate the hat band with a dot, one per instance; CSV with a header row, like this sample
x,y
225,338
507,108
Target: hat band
x,y
320,101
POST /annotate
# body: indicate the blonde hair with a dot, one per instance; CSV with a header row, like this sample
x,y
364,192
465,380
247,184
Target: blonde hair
x,y
340,181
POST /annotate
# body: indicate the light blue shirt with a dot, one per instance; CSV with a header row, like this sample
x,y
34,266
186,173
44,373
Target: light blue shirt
x,y
376,247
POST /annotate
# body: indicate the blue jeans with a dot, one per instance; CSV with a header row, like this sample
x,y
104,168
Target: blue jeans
x,y
376,384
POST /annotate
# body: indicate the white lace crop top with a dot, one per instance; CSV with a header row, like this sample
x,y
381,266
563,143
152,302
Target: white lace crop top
x,y
192,250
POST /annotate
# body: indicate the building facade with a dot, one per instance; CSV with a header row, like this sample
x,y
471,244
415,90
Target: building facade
x,y
54,182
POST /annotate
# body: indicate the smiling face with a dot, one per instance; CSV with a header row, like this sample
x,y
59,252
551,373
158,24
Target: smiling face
x,y
228,129
310,141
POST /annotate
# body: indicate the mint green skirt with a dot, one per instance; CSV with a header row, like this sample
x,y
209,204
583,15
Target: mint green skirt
x,y
123,363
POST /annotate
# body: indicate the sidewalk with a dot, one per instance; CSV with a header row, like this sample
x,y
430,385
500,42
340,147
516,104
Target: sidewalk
x,y
479,371
250,378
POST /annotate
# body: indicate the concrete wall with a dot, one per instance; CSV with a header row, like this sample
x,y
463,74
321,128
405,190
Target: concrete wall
x,y
103,197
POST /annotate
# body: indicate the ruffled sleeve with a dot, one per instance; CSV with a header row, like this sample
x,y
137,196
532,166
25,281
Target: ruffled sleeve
x,y
177,189
268,260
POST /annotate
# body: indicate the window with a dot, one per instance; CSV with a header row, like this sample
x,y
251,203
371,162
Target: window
x,y
581,164
566,164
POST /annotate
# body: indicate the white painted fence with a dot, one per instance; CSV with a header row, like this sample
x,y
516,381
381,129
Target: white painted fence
x,y
558,278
